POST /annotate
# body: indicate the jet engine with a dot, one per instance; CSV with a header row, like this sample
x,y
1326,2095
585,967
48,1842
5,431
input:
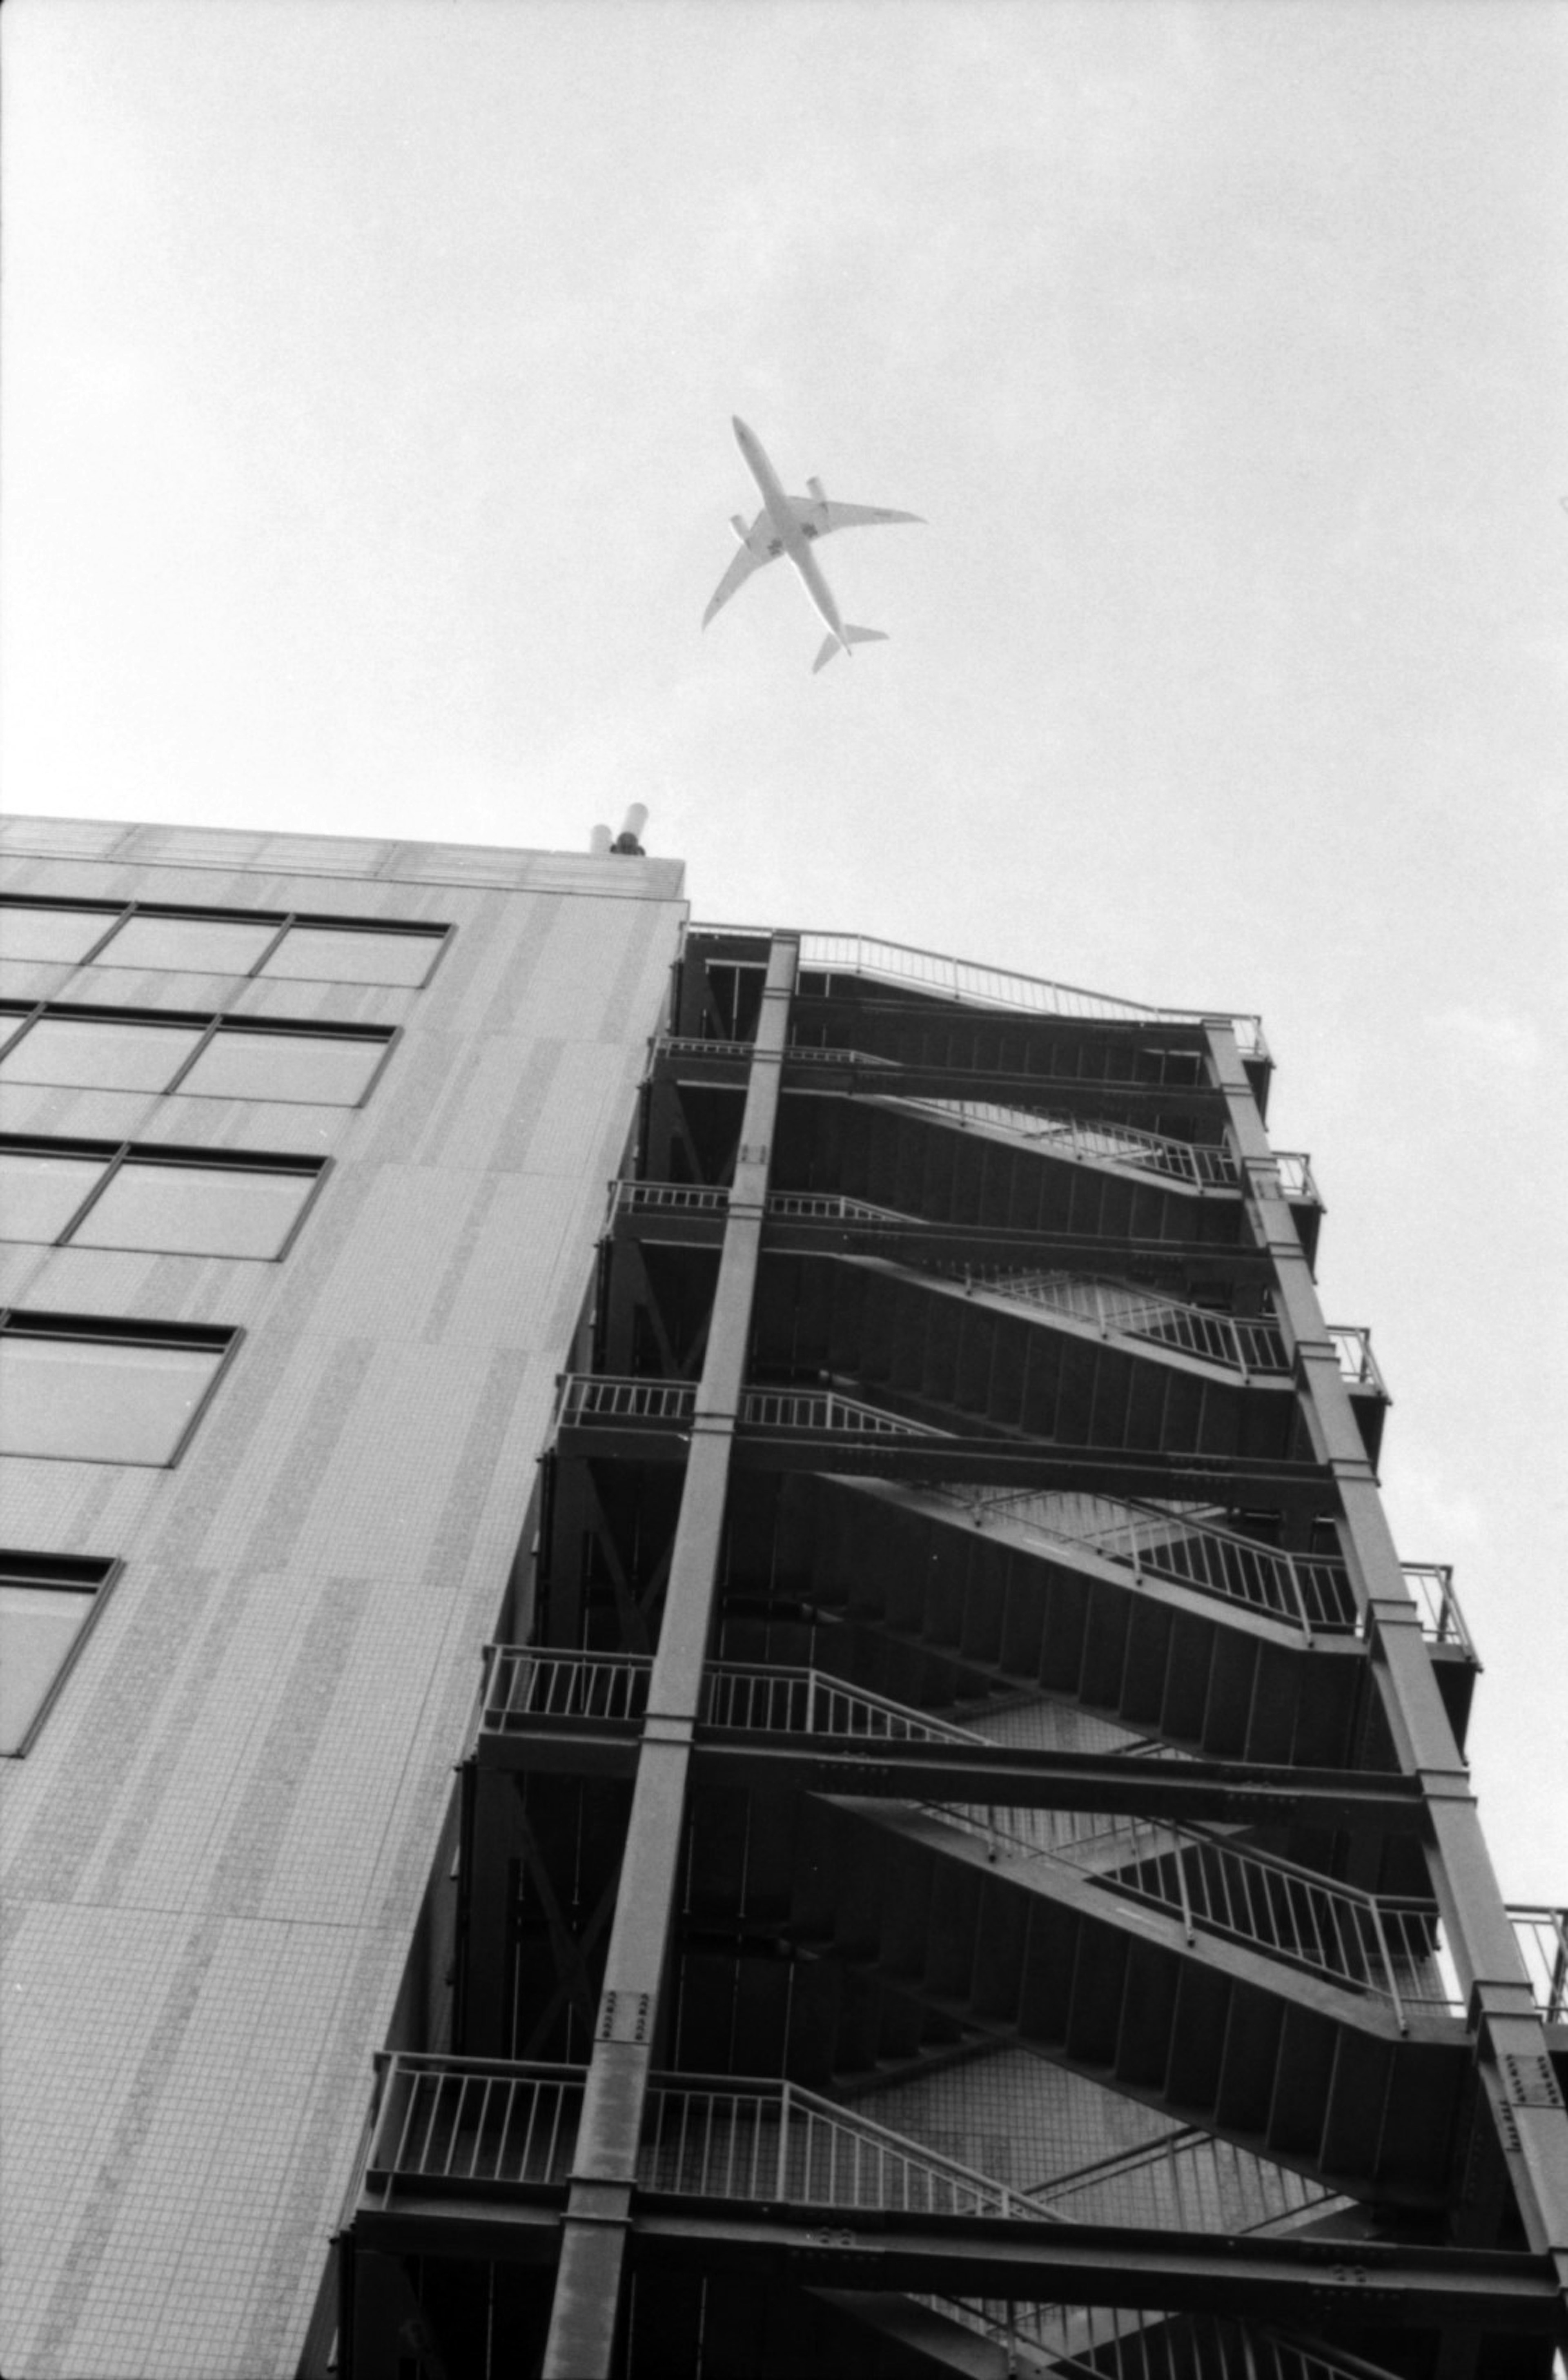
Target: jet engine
x,y
739,528
818,491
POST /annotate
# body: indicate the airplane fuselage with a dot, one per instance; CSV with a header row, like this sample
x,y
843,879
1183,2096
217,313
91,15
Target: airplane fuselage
x,y
794,540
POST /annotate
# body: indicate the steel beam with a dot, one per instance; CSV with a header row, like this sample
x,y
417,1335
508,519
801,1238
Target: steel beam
x,y
585,2314
1512,2042
1305,2281
780,1761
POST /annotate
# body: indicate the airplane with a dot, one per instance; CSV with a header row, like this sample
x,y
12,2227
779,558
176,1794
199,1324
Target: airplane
x,y
792,525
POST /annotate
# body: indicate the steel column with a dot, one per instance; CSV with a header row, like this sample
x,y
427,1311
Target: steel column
x,y
594,2235
1516,2068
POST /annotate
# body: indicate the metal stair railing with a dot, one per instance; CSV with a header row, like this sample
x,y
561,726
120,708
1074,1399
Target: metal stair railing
x,y
712,1198
1542,1936
987,986
1195,1165
1442,1622
716,2137
1244,1344
1309,1592
810,1702
1128,2343
1353,1344
827,1409
668,1197
525,1684
1193,2180
1363,1942
467,2124
830,1207
606,1398
522,1683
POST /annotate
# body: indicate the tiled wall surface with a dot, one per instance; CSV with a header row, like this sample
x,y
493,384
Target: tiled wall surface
x,y
212,1854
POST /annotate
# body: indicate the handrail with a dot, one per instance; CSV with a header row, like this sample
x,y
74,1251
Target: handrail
x,y
819,1409
711,2136
829,1206
1363,1942
705,1198
606,1399
1309,1592
464,2122
1197,1165
695,1198
470,2124
525,1684
739,1695
987,986
1155,2183
1244,1344
1542,1936
1123,2343
1353,1345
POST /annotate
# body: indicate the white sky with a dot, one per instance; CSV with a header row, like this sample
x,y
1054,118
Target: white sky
x,y
368,370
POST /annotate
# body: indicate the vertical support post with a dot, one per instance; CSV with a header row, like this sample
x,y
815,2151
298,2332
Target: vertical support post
x,y
1512,2048
598,2219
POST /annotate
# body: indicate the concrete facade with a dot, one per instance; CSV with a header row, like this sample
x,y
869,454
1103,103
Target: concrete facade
x,y
215,1848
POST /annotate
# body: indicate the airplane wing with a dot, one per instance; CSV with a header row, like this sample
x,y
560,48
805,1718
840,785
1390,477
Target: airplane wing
x,y
752,555
823,518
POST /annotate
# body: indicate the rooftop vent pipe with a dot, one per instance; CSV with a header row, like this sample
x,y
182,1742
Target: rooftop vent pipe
x,y
629,842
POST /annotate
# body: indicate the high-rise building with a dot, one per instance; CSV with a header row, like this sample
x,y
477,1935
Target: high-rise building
x,y
824,1766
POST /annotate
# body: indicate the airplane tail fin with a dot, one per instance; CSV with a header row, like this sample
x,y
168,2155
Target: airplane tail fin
x,y
853,635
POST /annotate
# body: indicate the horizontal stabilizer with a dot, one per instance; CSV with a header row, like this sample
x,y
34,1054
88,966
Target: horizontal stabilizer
x,y
851,635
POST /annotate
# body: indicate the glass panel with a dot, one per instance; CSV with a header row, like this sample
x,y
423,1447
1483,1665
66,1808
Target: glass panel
x,y
97,1402
38,1627
98,1054
332,956
202,945
195,1210
27,933
39,1194
313,1068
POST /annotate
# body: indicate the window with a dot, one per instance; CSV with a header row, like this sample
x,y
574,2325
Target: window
x,y
338,954
40,1191
52,929
250,1062
98,1051
86,1389
214,1057
174,1201
46,1602
199,945
159,934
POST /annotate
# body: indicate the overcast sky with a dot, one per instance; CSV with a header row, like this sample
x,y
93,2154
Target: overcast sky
x,y
368,372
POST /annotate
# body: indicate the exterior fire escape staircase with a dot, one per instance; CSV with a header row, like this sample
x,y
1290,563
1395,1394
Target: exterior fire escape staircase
x,y
956,1646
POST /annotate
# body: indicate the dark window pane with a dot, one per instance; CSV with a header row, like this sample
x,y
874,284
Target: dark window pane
x,y
201,945
63,933
98,1054
195,1210
38,1627
310,1067
96,1401
39,1194
332,956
